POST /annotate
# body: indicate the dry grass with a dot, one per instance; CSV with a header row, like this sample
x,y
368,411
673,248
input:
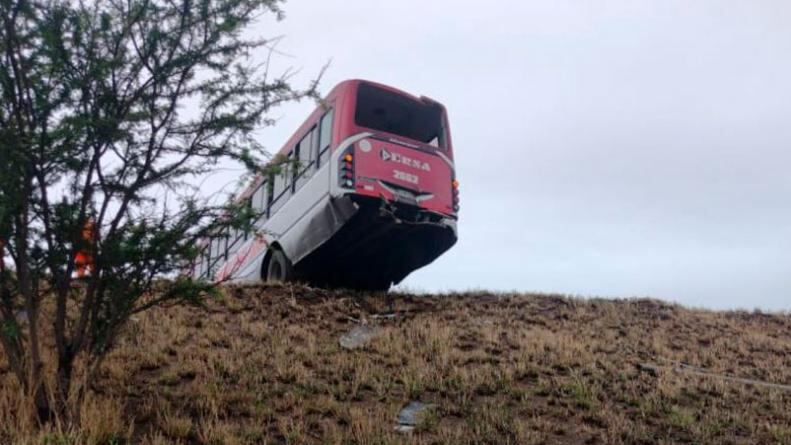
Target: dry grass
x,y
263,366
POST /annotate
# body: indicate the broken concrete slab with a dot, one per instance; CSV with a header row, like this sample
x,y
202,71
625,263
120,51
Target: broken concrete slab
x,y
358,337
411,415
389,317
650,369
404,429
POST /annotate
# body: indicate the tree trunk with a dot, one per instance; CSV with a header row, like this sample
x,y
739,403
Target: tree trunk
x,y
63,382
44,412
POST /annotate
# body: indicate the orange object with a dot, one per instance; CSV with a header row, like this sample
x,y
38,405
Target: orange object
x,y
83,260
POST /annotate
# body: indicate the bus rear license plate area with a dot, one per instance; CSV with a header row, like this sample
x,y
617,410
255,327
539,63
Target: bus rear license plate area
x,y
406,175
406,197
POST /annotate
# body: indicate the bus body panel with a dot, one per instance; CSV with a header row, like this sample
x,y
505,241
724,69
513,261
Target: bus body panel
x,y
303,223
399,215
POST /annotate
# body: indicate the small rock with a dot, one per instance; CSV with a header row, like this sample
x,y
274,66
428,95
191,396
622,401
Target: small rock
x,y
358,337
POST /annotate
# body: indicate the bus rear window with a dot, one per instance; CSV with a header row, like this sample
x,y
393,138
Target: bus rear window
x,y
382,110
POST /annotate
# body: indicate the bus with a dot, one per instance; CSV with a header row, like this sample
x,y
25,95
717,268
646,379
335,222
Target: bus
x,y
368,195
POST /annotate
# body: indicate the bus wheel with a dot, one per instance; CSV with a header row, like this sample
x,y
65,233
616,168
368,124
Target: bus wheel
x,y
279,269
380,285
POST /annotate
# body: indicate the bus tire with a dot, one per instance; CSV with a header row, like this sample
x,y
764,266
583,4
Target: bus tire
x,y
382,286
279,269
378,284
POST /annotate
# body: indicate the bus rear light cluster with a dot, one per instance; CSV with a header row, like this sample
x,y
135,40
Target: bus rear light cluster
x,y
455,185
347,171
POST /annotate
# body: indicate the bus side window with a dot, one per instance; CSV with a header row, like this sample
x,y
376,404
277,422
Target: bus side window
x,y
214,249
306,154
325,137
225,242
282,184
258,198
270,193
266,197
260,201
203,263
215,255
249,204
233,241
206,261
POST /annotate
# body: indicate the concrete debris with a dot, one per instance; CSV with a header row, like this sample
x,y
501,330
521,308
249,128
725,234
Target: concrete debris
x,y
391,316
410,416
684,368
649,369
484,322
405,429
728,378
358,337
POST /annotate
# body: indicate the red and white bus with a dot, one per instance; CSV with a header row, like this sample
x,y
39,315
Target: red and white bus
x,y
370,196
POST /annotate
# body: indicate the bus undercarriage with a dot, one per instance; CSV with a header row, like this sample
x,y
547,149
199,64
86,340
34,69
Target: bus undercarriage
x,y
379,245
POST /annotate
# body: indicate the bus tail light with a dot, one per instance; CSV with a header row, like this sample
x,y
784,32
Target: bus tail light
x,y
347,171
455,186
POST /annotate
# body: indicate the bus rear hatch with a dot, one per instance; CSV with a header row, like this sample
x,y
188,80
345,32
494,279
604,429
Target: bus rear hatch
x,y
407,158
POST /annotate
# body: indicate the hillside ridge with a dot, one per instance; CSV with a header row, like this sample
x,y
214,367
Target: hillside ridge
x,y
264,364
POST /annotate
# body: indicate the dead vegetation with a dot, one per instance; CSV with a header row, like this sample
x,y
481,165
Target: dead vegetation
x,y
263,365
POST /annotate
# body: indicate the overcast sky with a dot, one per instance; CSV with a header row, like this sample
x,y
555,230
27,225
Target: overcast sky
x,y
604,148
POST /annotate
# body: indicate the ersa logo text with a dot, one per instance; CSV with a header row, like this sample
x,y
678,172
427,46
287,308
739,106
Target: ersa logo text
x,y
404,160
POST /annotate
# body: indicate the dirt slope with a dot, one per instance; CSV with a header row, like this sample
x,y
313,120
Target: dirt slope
x,y
263,365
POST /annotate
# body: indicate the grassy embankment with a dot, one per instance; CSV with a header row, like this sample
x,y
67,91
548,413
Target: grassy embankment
x,y
263,365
